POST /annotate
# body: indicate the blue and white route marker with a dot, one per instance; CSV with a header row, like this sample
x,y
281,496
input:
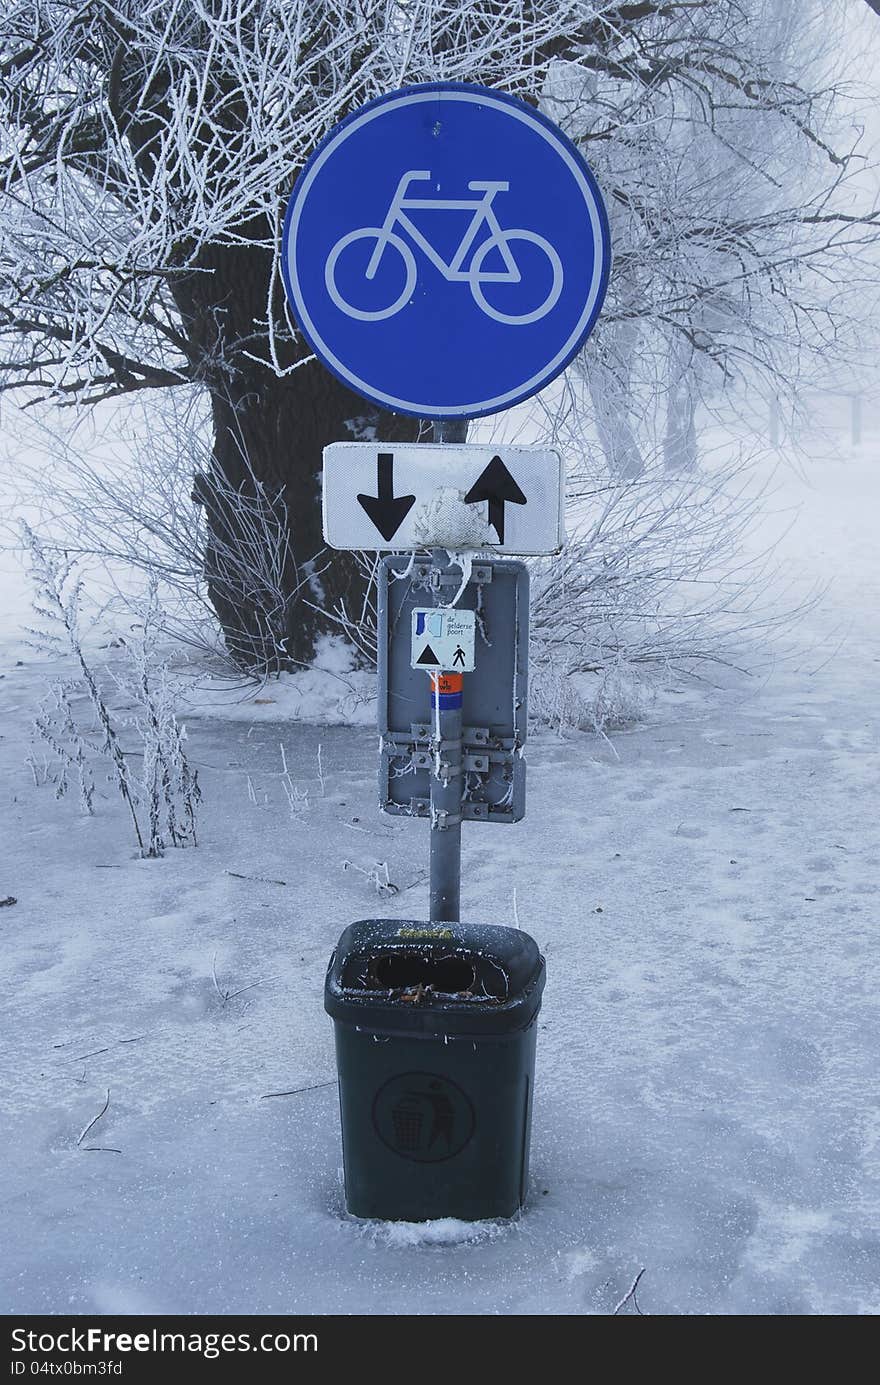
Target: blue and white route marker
x,y
446,251
443,639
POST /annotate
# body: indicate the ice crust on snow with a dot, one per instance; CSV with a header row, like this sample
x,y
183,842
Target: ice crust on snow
x,y
444,1231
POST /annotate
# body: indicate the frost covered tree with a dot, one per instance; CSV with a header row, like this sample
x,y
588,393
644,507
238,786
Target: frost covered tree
x,y
735,220
148,150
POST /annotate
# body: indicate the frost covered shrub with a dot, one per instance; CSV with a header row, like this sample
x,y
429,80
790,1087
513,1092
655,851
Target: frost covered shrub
x,y
659,576
128,492
651,579
607,700
163,798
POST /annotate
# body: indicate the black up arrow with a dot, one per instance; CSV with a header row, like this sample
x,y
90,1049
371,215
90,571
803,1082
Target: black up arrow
x,y
386,511
497,486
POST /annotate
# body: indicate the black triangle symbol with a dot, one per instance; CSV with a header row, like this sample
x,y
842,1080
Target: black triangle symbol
x,y
427,656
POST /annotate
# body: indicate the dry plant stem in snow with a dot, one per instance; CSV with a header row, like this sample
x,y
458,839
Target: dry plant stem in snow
x,y
57,727
57,601
297,799
170,785
167,789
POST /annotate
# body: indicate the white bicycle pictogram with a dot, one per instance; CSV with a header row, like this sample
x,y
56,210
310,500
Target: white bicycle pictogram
x,y
475,276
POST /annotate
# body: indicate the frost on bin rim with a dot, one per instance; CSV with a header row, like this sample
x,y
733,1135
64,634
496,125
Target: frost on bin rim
x,y
434,979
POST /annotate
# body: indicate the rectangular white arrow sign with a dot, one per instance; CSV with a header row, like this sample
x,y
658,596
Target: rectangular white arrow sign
x,y
431,495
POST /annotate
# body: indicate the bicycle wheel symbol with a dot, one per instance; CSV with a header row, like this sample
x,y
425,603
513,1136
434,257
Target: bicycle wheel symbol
x,y
390,239
478,280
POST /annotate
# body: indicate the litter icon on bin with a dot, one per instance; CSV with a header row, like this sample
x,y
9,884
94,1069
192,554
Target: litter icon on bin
x,y
408,1121
422,1116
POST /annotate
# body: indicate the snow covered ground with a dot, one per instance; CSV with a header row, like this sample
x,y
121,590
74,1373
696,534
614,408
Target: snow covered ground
x,y
705,892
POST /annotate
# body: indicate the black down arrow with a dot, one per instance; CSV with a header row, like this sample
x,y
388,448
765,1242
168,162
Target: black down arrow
x,y
385,510
497,486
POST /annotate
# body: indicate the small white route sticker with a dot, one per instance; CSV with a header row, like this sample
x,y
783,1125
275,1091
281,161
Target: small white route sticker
x,y
443,639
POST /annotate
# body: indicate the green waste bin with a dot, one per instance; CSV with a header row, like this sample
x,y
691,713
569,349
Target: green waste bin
x,y
435,1048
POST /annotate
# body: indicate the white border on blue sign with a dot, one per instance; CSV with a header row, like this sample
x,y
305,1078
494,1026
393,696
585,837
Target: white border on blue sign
x,y
478,96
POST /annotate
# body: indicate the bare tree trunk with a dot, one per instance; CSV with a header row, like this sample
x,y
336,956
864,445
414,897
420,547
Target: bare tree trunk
x,y
680,442
611,393
270,577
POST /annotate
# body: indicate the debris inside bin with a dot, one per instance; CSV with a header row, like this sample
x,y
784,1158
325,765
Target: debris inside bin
x,y
427,967
449,974
416,977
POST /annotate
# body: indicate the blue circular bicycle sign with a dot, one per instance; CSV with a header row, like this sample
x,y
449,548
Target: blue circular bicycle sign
x,y
446,251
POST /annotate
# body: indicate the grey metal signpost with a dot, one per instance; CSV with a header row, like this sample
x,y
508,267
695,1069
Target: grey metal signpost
x,y
450,429
445,853
446,771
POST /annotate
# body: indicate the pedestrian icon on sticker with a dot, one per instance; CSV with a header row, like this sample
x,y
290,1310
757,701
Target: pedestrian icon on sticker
x,y
458,658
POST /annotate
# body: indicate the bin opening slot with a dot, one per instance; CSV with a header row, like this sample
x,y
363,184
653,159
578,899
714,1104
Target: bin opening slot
x,y
405,970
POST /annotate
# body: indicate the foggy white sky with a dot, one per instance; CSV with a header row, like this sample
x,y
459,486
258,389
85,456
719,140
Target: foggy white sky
x,y
859,51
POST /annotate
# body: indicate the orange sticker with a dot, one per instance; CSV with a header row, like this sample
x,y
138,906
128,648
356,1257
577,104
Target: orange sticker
x,y
447,682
